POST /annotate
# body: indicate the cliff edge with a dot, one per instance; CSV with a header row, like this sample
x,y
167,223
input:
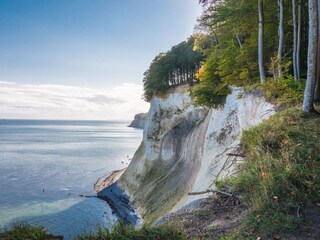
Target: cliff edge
x,y
139,120
187,148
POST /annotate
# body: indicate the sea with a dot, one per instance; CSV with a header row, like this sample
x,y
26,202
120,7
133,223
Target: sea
x,y
46,165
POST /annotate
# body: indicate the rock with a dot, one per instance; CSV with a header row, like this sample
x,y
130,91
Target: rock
x,y
119,202
139,120
186,148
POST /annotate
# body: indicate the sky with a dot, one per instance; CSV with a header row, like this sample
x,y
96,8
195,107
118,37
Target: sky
x,y
84,59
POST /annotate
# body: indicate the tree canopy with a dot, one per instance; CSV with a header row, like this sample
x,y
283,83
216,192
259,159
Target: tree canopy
x,y
243,43
175,67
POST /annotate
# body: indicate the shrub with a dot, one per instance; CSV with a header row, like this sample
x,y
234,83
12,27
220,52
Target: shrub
x,y
281,170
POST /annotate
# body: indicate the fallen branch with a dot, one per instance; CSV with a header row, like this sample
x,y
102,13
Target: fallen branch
x,y
298,211
236,155
210,190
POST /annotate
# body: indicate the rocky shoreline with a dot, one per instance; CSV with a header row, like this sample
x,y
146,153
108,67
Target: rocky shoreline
x,y
120,204
108,190
108,180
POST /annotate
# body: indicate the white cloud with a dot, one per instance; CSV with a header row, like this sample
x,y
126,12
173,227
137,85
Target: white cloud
x,y
46,101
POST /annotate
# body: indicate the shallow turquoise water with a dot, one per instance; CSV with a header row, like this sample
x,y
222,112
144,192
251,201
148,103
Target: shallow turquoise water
x,y
45,165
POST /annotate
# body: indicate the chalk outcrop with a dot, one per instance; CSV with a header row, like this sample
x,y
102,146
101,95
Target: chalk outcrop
x,y
187,148
139,120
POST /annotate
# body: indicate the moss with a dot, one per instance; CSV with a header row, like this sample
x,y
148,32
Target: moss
x,y
224,133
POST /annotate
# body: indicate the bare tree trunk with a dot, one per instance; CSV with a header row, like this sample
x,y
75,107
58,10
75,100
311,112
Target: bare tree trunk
x,y
295,38
281,37
312,57
261,43
317,87
299,38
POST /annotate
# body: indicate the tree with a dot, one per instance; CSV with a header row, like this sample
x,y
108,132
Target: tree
x,y
175,67
296,18
317,86
261,42
298,48
281,37
312,58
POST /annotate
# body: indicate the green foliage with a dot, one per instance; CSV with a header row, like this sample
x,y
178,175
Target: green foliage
x,y
232,57
25,231
284,92
175,67
281,170
123,232
206,94
118,232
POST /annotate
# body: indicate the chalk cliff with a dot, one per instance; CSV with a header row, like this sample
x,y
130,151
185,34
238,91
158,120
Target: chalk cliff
x,y
187,148
139,120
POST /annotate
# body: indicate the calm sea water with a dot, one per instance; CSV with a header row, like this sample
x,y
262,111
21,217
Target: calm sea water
x,y
45,165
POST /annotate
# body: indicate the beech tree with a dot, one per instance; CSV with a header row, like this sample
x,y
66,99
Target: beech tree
x,y
240,43
281,37
175,67
312,57
261,42
296,18
317,87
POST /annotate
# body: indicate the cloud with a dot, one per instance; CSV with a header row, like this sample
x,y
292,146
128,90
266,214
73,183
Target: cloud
x,y
22,101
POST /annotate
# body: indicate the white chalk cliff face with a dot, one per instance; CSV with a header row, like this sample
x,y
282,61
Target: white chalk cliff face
x,y
186,148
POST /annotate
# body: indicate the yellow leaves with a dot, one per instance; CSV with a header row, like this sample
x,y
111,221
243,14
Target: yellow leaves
x,y
196,45
264,175
201,74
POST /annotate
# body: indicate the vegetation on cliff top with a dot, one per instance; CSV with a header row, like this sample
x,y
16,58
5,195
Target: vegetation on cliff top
x,y
118,232
175,67
26,231
280,176
243,43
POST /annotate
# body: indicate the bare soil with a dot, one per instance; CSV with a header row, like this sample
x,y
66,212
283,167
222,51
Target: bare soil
x,y
216,215
219,215
309,228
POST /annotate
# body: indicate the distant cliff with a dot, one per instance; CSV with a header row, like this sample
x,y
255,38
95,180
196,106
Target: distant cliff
x,y
186,148
139,120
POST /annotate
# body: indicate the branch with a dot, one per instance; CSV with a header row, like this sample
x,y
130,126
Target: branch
x,y
210,190
236,155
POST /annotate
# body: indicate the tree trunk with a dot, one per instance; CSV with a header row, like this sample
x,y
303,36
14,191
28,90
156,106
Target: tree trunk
x,y
261,43
317,87
281,37
312,57
299,39
295,38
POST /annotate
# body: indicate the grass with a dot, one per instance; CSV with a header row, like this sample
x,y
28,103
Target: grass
x,y
118,232
283,93
123,232
281,171
24,231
